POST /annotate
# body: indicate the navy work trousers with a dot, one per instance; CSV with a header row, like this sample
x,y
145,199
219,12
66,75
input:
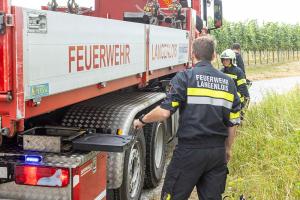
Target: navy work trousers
x,y
204,168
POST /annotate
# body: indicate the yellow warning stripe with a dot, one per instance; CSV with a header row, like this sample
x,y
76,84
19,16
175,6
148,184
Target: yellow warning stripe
x,y
234,115
242,99
210,93
241,81
175,104
168,197
232,76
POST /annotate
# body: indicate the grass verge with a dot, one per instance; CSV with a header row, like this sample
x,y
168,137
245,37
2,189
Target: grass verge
x,y
266,155
273,70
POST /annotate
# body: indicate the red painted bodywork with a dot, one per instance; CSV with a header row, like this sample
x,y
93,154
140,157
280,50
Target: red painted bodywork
x,y
5,54
92,183
115,10
164,3
15,111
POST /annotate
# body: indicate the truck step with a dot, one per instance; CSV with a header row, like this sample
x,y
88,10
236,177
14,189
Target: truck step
x,y
103,142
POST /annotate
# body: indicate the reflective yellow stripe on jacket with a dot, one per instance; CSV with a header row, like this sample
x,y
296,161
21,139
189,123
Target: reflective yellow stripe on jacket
x,y
210,93
235,118
175,104
242,99
241,81
232,76
234,115
168,197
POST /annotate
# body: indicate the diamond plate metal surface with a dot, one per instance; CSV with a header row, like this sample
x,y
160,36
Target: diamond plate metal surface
x,y
22,192
69,161
42,143
108,114
114,170
66,160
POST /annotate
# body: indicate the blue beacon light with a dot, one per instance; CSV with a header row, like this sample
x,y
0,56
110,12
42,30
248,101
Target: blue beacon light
x,y
33,159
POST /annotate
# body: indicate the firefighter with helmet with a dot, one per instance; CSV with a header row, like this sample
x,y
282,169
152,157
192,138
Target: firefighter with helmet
x,y
228,59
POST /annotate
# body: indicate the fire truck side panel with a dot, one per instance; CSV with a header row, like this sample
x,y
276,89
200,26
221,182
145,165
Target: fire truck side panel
x,y
89,180
60,55
168,47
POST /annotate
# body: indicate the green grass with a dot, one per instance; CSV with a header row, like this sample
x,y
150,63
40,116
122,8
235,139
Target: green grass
x,y
266,154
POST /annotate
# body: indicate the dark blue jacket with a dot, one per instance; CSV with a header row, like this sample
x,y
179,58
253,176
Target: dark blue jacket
x,y
240,62
239,79
207,100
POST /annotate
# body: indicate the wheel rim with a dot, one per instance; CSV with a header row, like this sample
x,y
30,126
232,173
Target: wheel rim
x,y
134,170
158,147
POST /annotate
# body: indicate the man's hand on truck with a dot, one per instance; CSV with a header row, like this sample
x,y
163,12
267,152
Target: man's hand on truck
x,y
157,114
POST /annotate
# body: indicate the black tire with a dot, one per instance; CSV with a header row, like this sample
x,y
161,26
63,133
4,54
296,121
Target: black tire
x,y
155,134
125,192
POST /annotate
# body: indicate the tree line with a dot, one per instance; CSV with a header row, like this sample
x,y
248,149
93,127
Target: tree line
x,y
269,42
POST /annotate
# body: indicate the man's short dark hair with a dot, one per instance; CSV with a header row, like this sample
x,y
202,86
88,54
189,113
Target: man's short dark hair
x,y
204,48
236,46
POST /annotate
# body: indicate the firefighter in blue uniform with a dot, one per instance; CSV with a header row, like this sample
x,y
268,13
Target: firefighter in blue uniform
x,y
228,59
236,47
209,110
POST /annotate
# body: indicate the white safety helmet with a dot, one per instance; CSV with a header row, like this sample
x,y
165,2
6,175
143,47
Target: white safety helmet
x,y
229,54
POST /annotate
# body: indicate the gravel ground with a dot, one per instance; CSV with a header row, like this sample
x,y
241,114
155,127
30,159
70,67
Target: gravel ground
x,y
154,194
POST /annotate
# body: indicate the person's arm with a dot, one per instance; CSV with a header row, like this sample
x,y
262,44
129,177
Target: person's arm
x,y
229,142
175,97
233,117
157,114
242,84
232,123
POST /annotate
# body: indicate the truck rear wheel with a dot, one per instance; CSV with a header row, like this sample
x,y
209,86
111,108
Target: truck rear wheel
x,y
134,172
155,134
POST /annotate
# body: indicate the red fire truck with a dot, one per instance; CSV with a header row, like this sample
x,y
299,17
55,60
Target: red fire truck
x,y
73,79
